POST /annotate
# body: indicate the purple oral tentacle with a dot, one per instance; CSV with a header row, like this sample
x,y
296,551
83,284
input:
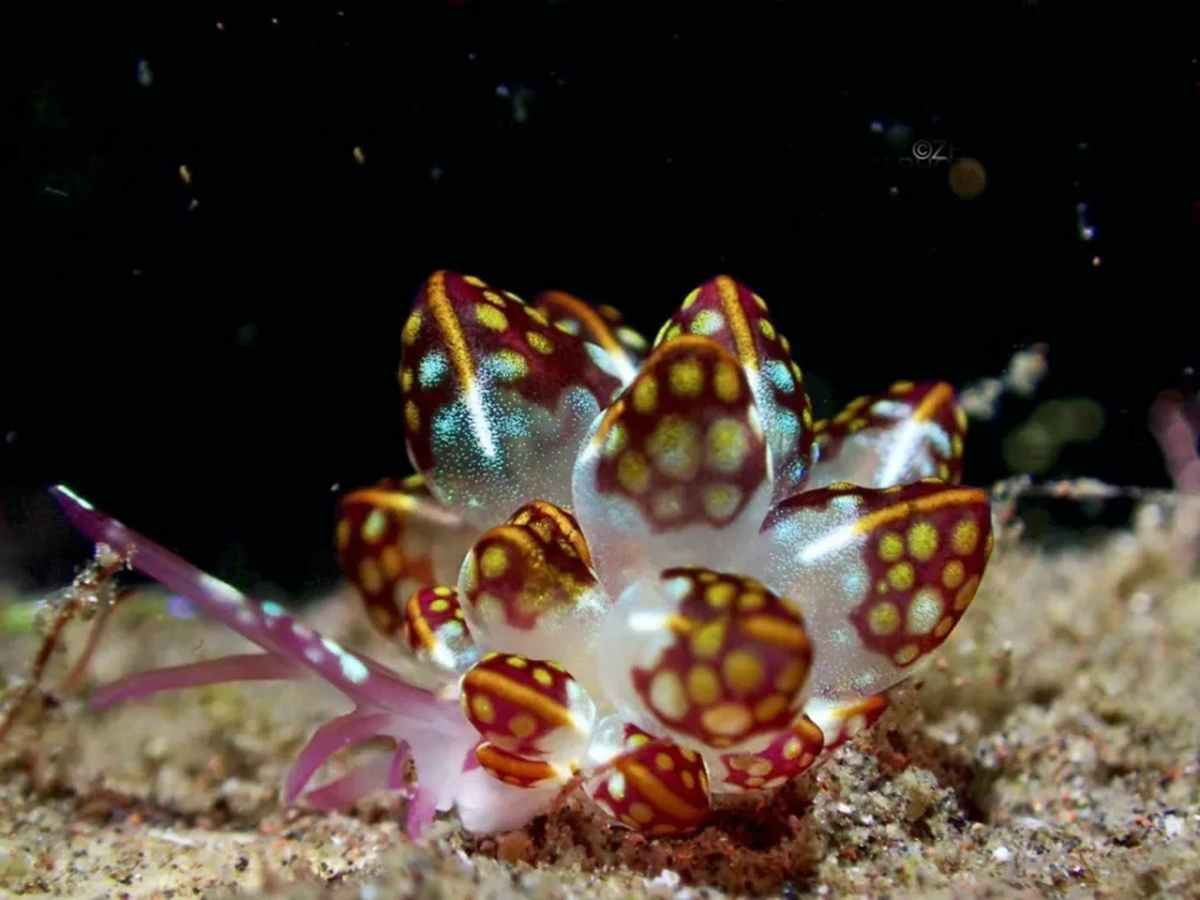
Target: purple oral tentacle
x,y
334,735
240,667
368,778
267,624
386,705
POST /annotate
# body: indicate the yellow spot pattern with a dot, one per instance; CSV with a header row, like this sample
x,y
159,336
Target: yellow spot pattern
x,y
412,327
720,595
884,618
727,446
494,562
633,474
668,504
922,541
490,317
539,342
511,365
965,537
686,378
645,394
708,640
725,382
907,654
901,576
674,447
743,671
369,577
953,574
721,501
703,686
482,708
891,547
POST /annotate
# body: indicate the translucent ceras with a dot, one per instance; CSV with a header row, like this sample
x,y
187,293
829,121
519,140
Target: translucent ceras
x,y
645,570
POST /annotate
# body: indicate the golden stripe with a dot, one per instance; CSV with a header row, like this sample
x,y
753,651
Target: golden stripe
x,y
736,317
552,713
679,624
406,504
517,535
611,417
393,500
864,707
942,393
775,631
419,625
511,764
574,537
659,795
932,503
595,325
448,325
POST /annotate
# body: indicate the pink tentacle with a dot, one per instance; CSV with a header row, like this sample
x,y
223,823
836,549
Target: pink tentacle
x,y
368,778
421,809
429,726
217,599
364,681
352,728
240,667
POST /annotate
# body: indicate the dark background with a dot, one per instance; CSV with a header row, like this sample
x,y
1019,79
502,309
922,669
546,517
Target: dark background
x,y
213,362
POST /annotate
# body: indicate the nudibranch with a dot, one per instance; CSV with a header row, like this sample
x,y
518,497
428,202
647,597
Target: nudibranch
x,y
644,570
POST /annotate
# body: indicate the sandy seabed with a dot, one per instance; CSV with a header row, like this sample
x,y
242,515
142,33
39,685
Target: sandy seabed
x,y
1052,747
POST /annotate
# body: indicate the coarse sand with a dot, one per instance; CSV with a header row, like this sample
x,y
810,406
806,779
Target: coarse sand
x,y
1050,748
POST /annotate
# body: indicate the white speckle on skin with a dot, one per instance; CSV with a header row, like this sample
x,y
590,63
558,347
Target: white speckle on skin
x,y
75,498
940,440
631,338
787,426
353,668
220,591
855,581
432,369
777,372
608,364
707,322
845,503
864,681
891,409
677,588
